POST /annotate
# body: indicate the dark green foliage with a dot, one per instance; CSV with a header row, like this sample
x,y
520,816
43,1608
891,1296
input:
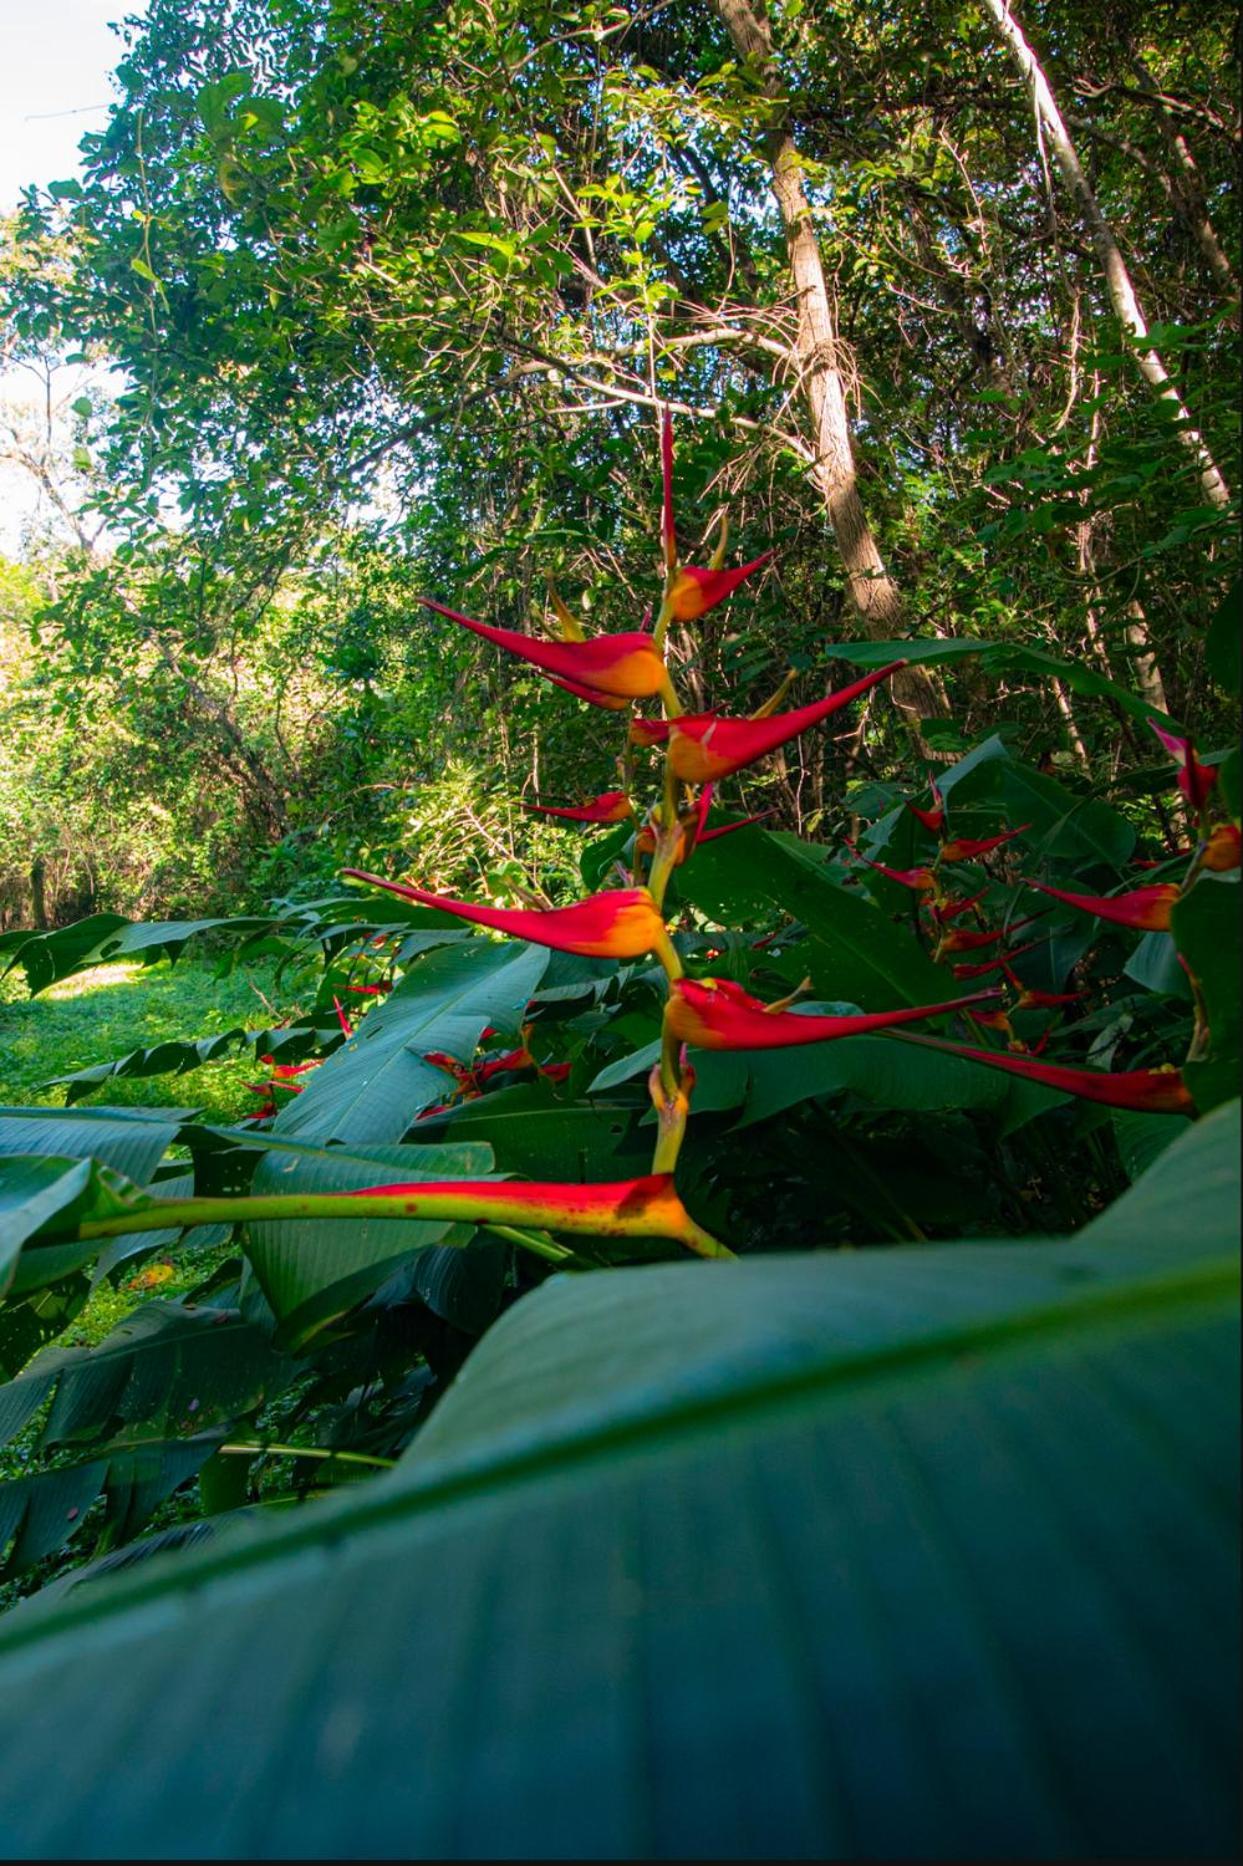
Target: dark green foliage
x,y
775,1553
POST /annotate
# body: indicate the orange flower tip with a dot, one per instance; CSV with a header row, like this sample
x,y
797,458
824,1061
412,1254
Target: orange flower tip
x,y
1223,850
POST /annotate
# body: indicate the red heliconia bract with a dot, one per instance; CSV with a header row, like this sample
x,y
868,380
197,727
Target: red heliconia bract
x,y
985,966
694,592
1147,1091
612,806
648,1207
969,849
704,747
622,923
717,1014
933,819
628,667
1147,910
1194,779
922,879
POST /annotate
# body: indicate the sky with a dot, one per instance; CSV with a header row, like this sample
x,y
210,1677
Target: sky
x,y
56,57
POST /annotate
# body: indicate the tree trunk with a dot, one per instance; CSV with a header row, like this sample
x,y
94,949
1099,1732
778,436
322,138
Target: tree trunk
x,y
1187,191
1117,278
874,594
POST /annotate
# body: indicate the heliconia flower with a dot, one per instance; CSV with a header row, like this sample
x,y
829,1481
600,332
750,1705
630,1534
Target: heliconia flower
x,y
371,991
1148,1091
1223,849
693,592
941,911
612,806
716,1014
347,1029
993,1020
1146,909
627,667
1194,779
704,747
513,1061
621,923
933,819
921,879
648,1207
967,849
986,966
1030,999
968,939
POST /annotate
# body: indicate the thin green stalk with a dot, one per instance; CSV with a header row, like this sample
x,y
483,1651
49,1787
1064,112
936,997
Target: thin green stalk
x,y
272,1449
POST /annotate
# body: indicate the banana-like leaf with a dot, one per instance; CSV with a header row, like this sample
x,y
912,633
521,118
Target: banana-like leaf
x,y
378,1083
170,1366
41,1513
920,1552
999,656
131,1141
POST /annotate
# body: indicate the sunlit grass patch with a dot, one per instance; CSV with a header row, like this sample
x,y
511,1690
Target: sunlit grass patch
x,y
109,1010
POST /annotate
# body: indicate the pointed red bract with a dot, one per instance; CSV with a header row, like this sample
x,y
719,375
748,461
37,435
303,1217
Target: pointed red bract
x,y
648,1207
626,667
704,746
943,911
1148,1091
622,923
933,819
995,965
922,880
1146,909
1194,779
694,592
968,849
612,806
717,1014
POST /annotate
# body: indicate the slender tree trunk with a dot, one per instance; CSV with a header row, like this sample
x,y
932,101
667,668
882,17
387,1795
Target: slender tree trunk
x,y
873,592
1187,191
1117,278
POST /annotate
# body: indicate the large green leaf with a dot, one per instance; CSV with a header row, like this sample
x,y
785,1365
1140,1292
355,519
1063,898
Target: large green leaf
x,y
168,1366
921,1552
42,1512
132,1142
855,953
538,1135
375,1086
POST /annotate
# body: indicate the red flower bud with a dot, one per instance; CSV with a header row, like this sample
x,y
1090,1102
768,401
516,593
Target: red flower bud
x,y
612,806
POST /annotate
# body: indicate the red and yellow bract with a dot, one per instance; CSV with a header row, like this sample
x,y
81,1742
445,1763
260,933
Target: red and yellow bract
x,y
717,1014
622,923
1147,910
625,667
704,747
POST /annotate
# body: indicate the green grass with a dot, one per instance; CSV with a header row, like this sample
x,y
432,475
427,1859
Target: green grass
x,y
99,1015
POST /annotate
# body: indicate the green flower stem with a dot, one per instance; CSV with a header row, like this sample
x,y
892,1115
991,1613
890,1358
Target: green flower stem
x,y
273,1450
491,1205
539,1246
